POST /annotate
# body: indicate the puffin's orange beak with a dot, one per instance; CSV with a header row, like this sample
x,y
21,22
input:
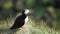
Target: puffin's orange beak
x,y
30,11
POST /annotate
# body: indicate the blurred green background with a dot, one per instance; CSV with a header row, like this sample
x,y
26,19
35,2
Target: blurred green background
x,y
46,10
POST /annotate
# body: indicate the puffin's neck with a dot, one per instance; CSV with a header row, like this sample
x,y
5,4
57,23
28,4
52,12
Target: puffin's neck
x,y
24,16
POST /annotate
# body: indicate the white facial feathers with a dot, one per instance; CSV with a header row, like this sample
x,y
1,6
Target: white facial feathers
x,y
26,11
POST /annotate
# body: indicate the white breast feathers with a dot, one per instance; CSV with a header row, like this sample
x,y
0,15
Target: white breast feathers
x,y
26,19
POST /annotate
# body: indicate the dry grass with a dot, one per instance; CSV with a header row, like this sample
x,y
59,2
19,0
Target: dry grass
x,y
32,28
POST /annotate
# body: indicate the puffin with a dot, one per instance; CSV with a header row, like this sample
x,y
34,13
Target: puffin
x,y
21,20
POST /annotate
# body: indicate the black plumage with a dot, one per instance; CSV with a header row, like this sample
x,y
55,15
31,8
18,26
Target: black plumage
x,y
20,21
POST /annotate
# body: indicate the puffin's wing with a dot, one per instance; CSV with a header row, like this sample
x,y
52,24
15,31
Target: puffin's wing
x,y
19,22
17,25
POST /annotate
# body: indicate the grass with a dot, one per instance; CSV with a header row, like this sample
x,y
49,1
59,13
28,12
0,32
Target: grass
x,y
32,28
